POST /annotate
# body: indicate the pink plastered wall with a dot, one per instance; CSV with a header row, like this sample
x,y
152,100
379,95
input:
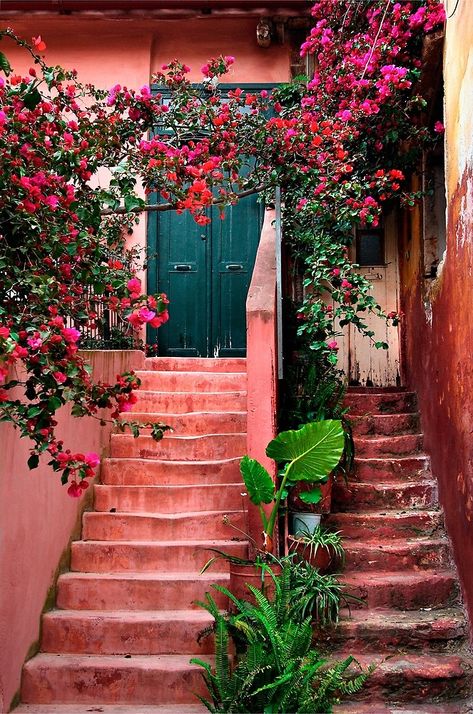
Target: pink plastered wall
x,y
37,518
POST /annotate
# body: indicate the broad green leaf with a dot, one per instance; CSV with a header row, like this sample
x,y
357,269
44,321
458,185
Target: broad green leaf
x,y
33,461
313,496
314,451
258,482
32,98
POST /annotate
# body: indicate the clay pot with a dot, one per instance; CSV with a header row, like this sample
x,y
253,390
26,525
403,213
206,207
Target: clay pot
x,y
240,575
323,506
324,558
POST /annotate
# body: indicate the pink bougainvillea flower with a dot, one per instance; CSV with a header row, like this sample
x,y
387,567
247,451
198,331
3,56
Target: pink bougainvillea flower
x,y
38,43
439,127
332,345
70,334
4,332
74,490
59,377
92,459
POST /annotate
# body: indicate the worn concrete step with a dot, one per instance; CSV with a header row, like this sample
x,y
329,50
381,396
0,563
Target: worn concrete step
x,y
126,632
94,556
170,499
380,402
393,631
198,364
149,472
392,468
137,591
387,525
185,402
394,496
426,707
197,382
414,677
402,590
404,555
196,423
153,526
385,424
183,448
65,679
397,445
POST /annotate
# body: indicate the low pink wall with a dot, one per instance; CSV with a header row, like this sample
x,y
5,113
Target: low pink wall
x,y
37,518
262,358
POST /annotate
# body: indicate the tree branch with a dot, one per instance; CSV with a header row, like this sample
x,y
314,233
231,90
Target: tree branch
x,y
151,208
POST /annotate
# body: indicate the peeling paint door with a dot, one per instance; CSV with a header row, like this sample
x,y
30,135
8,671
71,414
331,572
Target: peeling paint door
x,y
363,363
205,271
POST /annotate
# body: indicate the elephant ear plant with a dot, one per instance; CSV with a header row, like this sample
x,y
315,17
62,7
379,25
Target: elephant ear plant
x,y
308,454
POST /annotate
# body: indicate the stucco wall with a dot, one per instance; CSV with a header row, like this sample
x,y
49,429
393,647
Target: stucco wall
x,y
37,519
439,324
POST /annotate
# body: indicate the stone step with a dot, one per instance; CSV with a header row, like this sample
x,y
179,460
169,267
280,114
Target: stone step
x,y
198,364
137,591
420,495
385,424
380,402
196,423
185,402
414,677
402,590
378,707
94,556
170,499
126,632
167,679
149,472
405,555
152,526
398,468
386,525
397,445
184,448
393,631
196,382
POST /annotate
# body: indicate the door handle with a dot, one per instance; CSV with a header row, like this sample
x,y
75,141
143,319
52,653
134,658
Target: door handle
x,y
234,266
183,267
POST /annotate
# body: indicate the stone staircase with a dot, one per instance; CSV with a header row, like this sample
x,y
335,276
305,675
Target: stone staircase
x,y
412,624
125,627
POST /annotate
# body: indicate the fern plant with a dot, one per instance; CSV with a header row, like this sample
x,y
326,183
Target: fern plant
x,y
276,669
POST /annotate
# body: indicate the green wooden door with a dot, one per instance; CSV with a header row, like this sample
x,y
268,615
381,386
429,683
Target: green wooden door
x,y
206,272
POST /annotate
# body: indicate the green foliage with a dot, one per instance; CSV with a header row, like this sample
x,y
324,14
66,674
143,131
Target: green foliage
x,y
276,669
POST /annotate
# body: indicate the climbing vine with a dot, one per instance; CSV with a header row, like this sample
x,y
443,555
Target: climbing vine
x,y
78,165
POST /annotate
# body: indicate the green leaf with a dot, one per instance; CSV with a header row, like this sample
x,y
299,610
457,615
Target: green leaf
x,y
33,462
4,64
54,403
314,451
32,99
33,411
313,496
132,202
258,482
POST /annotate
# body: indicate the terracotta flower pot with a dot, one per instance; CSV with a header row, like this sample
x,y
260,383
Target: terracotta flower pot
x,y
323,506
241,575
323,558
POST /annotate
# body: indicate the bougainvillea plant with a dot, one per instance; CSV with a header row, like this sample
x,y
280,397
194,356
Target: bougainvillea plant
x,y
77,165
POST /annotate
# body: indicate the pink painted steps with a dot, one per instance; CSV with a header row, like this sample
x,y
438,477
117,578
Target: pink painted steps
x,y
125,625
412,624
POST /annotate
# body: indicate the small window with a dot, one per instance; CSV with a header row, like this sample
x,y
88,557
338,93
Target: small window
x,y
370,247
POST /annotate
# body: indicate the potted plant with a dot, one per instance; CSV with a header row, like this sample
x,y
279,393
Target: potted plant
x,y
321,548
307,454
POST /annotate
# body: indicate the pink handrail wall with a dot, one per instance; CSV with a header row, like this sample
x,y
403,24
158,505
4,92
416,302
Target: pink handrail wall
x,y
261,360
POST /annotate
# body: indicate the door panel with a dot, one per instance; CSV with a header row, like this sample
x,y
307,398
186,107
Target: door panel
x,y
181,258
206,272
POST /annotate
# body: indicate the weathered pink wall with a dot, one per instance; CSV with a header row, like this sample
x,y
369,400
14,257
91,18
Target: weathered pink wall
x,y
439,322
37,518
